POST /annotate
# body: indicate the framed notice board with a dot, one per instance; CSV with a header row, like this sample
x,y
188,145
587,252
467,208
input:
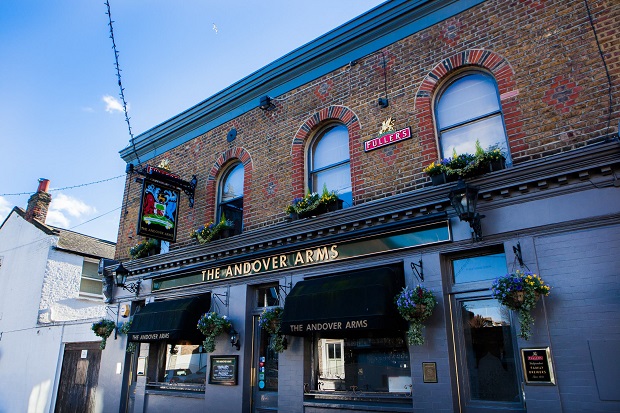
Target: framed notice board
x,y
537,366
224,370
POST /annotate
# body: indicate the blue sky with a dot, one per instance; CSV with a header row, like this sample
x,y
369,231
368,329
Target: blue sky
x,y
60,114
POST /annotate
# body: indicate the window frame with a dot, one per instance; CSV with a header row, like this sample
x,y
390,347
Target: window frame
x,y
220,204
310,150
440,131
94,278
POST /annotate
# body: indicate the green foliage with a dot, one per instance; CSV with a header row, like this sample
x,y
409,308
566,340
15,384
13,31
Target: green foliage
x,y
212,325
103,328
270,320
312,201
520,292
415,305
210,231
143,248
466,165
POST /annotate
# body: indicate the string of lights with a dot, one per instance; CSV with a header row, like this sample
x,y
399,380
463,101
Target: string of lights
x,y
120,83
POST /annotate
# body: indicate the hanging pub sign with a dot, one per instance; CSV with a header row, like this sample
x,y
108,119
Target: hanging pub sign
x,y
387,136
537,366
158,211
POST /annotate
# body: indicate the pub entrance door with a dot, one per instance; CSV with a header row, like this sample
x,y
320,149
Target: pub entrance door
x,y
487,368
264,372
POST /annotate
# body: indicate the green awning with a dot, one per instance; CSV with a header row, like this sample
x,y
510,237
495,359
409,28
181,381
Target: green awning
x,y
170,320
345,304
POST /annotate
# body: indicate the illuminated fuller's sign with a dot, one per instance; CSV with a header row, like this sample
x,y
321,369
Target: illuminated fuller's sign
x,y
387,139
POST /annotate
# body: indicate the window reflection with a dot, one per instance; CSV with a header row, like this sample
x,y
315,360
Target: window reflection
x,y
363,366
488,347
185,368
486,267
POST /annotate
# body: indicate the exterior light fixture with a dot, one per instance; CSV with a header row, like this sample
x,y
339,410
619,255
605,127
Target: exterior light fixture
x,y
120,274
266,103
464,199
234,338
383,103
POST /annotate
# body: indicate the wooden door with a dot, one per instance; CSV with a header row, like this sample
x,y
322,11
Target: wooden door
x,y
77,389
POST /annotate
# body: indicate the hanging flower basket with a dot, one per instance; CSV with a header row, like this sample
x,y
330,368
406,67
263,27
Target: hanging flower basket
x,y
103,328
415,305
212,325
520,291
270,320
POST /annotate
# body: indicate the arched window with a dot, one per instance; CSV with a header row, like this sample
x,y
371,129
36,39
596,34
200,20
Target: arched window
x,y
467,110
329,162
230,200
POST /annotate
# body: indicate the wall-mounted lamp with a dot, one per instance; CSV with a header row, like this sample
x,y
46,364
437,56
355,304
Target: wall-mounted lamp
x,y
266,103
383,103
464,199
234,338
120,274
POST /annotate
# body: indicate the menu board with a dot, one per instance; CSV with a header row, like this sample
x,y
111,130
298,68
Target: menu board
x,y
223,370
537,366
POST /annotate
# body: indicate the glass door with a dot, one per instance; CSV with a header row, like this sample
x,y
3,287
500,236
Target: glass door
x,y
264,372
487,368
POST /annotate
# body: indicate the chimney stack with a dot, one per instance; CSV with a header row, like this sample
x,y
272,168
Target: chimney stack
x,y
39,203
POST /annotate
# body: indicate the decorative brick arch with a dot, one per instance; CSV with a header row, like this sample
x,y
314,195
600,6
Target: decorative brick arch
x,y
298,150
222,161
505,78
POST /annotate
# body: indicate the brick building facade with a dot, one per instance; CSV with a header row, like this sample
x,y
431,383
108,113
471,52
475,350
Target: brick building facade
x,y
553,67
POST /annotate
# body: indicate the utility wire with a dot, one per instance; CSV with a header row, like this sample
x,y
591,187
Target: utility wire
x,y
600,51
67,187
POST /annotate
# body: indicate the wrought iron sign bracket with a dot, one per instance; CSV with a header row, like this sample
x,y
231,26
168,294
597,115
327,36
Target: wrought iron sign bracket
x,y
161,175
418,272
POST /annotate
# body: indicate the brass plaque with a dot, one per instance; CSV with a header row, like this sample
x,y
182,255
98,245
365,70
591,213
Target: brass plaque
x,y
429,372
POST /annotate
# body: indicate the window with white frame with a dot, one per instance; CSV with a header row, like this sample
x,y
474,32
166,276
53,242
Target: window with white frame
x,y
332,359
468,110
230,200
329,164
91,280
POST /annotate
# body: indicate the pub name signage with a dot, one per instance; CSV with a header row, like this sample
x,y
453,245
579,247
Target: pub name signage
x,y
272,263
422,235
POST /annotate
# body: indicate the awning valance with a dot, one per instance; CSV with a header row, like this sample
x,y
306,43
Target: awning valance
x,y
170,320
347,303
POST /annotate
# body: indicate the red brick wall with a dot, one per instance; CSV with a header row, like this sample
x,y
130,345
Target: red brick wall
x,y
543,54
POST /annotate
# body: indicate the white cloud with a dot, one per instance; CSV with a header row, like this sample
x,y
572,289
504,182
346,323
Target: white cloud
x,y
64,207
5,208
112,104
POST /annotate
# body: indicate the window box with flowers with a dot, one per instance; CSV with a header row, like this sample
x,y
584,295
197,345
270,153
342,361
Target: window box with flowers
x,y
144,248
466,165
212,231
313,204
103,328
212,325
520,291
270,321
415,305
